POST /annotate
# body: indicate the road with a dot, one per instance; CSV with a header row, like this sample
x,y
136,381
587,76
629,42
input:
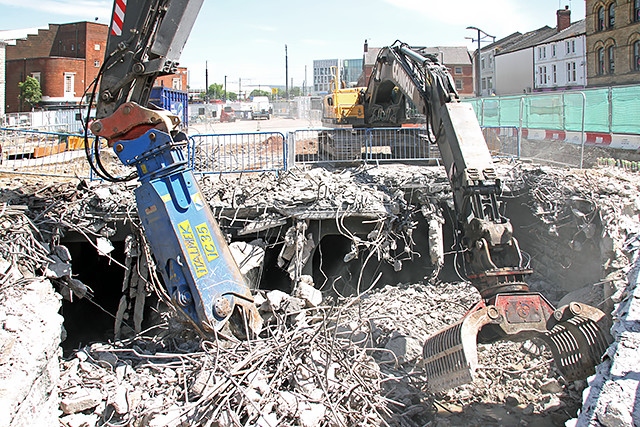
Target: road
x,y
275,124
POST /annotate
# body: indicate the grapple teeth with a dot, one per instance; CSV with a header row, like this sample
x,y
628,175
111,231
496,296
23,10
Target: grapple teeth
x,y
450,356
578,337
577,345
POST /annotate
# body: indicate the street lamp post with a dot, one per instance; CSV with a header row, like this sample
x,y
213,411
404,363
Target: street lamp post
x,y
481,36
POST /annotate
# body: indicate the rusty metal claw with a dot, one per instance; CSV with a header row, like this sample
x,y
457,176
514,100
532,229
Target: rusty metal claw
x,y
575,333
450,356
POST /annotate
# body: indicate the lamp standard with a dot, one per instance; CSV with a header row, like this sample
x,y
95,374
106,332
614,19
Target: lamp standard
x,y
286,72
481,37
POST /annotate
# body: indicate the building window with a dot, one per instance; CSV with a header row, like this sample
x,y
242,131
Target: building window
x,y
636,53
490,84
612,15
68,85
554,70
458,70
482,63
96,47
568,47
553,50
484,84
542,52
573,46
458,84
36,76
610,52
541,75
600,19
96,63
601,61
636,10
571,72
176,83
72,47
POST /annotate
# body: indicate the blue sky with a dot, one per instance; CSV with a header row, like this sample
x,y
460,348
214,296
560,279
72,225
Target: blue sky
x,y
245,40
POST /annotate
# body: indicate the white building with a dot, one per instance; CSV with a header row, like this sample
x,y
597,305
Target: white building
x,y
514,66
322,74
560,61
488,63
349,69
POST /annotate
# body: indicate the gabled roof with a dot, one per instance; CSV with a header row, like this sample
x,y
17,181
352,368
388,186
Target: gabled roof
x,y
504,42
527,40
574,30
458,55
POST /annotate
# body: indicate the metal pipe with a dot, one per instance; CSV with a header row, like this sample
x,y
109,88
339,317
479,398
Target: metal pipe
x,y
520,126
584,107
412,54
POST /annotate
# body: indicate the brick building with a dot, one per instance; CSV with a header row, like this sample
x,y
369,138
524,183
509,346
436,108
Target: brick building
x,y
65,59
176,81
613,42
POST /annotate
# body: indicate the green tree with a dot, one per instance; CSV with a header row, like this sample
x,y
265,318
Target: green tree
x,y
30,91
258,92
232,96
215,91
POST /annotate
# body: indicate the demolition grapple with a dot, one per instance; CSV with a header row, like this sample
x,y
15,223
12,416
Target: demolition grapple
x,y
576,334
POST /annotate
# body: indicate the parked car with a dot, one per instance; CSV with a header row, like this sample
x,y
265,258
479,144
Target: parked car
x,y
227,115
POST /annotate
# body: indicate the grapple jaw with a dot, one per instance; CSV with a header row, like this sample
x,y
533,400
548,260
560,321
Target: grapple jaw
x,y
576,335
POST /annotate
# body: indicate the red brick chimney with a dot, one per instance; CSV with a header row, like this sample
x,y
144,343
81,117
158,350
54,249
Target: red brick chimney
x,y
564,18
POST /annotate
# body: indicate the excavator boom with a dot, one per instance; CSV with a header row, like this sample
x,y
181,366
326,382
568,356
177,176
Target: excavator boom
x,y
202,279
493,262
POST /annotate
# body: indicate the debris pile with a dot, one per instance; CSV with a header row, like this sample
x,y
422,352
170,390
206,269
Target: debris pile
x,y
339,359
29,364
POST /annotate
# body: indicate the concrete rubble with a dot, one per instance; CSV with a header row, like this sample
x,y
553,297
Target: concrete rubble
x,y
335,357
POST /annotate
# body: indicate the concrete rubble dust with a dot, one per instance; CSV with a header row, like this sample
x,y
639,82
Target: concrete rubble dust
x,y
336,350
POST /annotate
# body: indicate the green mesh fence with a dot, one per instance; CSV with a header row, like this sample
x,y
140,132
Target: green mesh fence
x,y
625,111
608,110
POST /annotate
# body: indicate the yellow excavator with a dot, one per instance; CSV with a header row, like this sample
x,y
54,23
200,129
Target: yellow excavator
x,y
342,107
492,262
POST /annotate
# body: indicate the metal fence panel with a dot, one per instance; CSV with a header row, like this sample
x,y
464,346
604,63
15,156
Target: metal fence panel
x,y
344,145
234,153
43,153
625,103
502,141
544,112
67,121
596,114
401,144
605,110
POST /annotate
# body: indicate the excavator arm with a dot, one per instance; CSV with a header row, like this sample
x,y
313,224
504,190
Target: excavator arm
x,y
493,263
203,281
